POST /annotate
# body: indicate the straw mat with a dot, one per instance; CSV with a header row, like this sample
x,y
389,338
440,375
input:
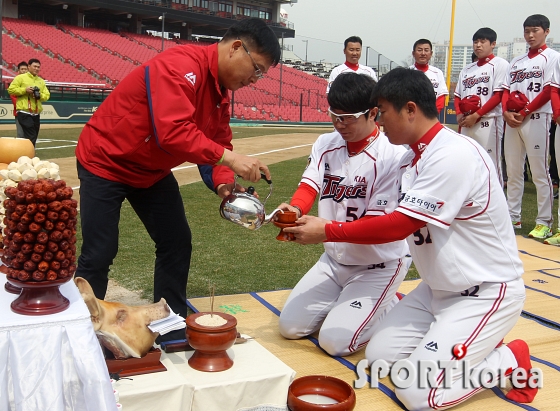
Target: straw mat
x,y
257,316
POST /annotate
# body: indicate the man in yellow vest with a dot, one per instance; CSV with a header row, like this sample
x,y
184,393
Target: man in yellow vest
x,y
30,90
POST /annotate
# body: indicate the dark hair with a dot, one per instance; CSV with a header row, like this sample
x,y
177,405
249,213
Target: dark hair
x,y
352,39
422,41
256,35
30,62
537,20
473,57
352,92
485,33
20,65
401,85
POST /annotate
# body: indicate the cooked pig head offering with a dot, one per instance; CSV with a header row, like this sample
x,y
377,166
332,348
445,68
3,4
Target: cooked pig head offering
x,y
120,328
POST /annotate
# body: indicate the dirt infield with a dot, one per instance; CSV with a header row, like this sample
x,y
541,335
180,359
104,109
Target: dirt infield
x,y
269,149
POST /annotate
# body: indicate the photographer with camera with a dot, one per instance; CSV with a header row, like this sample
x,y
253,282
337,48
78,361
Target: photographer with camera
x,y
30,90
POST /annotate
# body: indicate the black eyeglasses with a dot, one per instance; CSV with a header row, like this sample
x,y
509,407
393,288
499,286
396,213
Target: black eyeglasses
x,y
258,72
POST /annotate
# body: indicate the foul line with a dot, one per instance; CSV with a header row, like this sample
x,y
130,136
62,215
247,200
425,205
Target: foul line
x,y
248,155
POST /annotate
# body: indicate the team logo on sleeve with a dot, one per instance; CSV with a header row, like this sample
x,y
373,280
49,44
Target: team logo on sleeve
x,y
332,188
423,202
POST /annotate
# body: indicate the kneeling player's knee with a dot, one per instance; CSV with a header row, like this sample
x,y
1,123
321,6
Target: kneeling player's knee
x,y
414,398
334,343
377,350
289,329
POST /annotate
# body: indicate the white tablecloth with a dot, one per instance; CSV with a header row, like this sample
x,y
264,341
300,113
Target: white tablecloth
x,y
52,362
258,381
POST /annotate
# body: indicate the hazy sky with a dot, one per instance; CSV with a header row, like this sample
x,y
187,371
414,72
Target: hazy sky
x,y
392,26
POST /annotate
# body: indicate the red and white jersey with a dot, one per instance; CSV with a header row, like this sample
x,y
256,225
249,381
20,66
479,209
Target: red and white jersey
x,y
555,81
482,81
436,77
350,187
454,188
531,75
343,68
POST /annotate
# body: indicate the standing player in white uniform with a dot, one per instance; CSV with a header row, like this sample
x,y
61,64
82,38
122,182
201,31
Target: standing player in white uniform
x,y
453,215
422,53
354,171
528,113
353,52
555,101
478,97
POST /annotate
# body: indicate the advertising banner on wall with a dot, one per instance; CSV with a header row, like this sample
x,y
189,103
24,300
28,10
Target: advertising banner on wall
x,y
55,112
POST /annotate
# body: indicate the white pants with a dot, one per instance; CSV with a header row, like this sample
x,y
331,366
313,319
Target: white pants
x,y
426,324
343,301
488,133
531,140
557,152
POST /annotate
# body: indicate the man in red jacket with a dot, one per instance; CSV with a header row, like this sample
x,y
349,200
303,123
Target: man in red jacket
x,y
172,109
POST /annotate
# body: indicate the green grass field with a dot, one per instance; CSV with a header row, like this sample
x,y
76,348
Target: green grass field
x,y
235,259
61,142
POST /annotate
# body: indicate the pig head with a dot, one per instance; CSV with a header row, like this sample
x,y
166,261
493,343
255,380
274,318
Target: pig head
x,y
120,328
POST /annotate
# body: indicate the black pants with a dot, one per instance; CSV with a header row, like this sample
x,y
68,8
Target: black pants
x,y
160,208
30,125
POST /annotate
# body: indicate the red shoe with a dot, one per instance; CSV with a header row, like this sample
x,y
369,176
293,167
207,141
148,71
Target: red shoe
x,y
520,350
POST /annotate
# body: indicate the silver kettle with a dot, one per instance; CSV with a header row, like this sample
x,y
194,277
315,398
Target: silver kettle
x,y
245,209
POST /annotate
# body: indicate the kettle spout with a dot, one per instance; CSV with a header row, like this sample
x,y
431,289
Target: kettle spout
x,y
268,218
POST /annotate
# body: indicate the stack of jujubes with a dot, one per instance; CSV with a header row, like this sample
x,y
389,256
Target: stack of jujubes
x,y
40,233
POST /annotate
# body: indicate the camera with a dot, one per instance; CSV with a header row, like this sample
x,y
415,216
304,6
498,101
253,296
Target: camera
x,y
36,93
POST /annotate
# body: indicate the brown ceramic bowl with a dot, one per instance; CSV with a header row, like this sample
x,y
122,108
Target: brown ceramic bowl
x,y
211,343
320,385
286,217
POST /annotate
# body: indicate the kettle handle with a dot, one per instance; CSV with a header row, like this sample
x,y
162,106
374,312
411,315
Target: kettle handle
x,y
264,178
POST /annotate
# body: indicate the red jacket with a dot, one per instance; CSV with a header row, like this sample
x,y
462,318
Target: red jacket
x,y
165,112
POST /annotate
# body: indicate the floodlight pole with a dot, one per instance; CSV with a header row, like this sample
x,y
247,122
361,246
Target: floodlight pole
x,y
378,58
306,44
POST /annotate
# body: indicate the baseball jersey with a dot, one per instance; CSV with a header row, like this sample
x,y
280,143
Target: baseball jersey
x,y
483,81
454,188
555,81
531,75
343,68
350,187
436,77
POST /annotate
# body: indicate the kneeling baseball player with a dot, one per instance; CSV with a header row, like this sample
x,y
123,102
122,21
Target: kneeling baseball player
x,y
453,214
354,171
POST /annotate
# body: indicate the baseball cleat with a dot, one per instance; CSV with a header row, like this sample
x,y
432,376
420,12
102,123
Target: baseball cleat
x,y
520,350
540,231
516,224
554,240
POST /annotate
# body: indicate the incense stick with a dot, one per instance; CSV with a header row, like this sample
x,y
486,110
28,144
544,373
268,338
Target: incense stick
x,y
212,288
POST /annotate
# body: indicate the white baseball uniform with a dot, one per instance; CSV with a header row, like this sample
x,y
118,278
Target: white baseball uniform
x,y
436,77
352,285
483,78
471,290
343,68
530,76
555,82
